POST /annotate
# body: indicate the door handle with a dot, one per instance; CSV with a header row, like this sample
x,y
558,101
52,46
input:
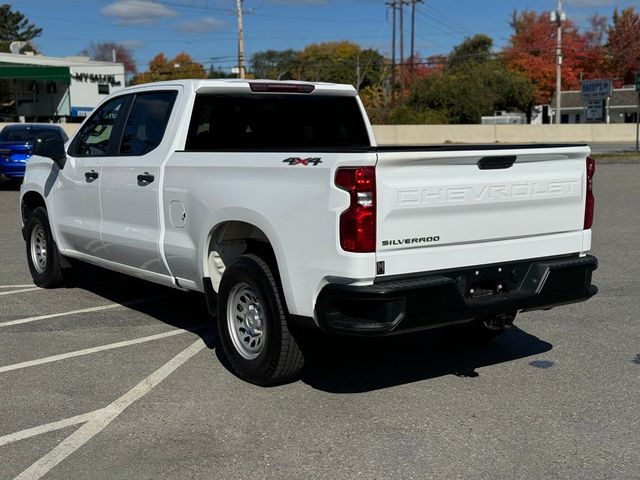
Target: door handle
x,y
91,176
145,179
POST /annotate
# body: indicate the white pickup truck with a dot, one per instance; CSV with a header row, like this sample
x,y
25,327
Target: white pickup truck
x,y
273,199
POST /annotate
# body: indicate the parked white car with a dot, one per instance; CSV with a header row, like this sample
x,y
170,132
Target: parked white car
x,y
273,199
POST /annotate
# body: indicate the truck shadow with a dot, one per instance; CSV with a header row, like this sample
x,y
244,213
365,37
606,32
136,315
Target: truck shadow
x,y
333,364
354,365
9,185
182,310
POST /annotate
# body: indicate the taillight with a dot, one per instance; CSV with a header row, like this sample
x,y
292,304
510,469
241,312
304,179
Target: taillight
x,y
281,87
590,201
358,222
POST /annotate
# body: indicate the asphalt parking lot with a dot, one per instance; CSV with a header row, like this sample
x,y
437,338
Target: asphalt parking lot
x,y
116,378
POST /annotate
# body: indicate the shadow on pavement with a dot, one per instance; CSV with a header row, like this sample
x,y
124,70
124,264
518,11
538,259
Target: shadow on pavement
x,y
352,365
183,310
10,185
333,364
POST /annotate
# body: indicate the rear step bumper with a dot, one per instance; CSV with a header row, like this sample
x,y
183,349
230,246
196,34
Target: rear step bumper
x,y
410,303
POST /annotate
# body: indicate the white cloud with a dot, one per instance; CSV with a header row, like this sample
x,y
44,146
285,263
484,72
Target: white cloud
x,y
592,3
300,2
206,24
132,44
137,11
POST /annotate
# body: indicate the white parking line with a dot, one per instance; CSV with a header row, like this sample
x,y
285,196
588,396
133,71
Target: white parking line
x,y
88,351
16,286
47,427
33,289
106,415
74,312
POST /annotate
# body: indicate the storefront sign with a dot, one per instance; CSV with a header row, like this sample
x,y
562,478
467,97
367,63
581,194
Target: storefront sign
x,y
97,78
594,90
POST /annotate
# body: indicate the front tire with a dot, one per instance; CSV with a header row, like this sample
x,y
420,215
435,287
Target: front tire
x,y
43,257
253,324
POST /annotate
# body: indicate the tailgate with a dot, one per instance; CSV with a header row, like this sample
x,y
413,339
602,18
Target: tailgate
x,y
447,209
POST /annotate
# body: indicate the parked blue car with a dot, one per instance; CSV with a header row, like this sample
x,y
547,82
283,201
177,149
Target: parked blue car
x,y
16,146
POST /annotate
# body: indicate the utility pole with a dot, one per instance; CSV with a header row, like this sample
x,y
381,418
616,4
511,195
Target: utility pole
x,y
413,31
392,4
401,47
240,39
558,17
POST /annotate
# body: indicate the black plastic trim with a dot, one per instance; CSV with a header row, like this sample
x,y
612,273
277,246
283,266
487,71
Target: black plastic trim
x,y
210,295
496,162
391,148
433,300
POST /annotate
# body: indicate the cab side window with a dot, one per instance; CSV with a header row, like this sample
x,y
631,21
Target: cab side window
x,y
96,136
147,122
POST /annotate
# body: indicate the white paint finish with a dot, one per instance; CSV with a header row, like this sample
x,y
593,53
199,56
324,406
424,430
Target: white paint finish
x,y
20,291
482,253
131,226
110,306
106,415
89,351
474,213
126,269
75,206
298,208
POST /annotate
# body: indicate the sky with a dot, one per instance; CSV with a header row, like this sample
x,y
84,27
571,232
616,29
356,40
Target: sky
x,y
206,29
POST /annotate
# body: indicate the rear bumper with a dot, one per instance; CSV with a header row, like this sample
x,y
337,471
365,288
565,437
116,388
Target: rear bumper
x,y
411,303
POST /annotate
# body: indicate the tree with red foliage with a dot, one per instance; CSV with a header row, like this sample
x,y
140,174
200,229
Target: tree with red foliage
x,y
532,52
623,45
595,64
103,52
416,68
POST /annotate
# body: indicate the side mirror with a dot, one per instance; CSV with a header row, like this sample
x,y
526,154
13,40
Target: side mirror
x,y
52,148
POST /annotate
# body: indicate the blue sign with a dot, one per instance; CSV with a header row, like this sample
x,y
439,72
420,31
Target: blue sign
x,y
81,111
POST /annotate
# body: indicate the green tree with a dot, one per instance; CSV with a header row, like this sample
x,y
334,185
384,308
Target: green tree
x,y
15,27
341,62
180,66
274,64
473,49
470,91
219,73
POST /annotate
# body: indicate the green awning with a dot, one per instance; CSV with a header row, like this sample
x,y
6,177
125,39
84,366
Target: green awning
x,y
40,73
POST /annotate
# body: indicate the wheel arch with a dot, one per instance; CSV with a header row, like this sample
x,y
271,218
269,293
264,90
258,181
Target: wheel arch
x,y
229,239
29,202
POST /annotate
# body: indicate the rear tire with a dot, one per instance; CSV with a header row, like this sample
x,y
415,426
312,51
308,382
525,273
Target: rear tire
x,y
253,324
43,256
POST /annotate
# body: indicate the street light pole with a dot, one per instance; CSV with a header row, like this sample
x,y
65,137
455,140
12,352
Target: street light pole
x,y
401,47
558,16
392,4
240,39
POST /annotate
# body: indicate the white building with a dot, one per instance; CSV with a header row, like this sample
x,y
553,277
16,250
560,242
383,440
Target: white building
x,y
38,88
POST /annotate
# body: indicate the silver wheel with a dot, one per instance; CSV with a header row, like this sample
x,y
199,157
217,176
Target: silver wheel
x,y
39,248
246,321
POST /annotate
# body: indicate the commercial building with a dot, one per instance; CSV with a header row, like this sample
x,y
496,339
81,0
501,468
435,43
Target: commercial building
x,y
622,107
38,88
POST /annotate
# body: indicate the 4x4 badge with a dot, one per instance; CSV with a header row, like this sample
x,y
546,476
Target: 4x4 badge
x,y
303,161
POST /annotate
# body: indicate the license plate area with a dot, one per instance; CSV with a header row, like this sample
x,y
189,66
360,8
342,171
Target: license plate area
x,y
493,280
